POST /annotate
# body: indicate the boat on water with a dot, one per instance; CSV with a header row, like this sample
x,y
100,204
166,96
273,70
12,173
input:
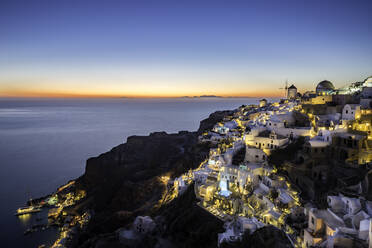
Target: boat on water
x,y
27,210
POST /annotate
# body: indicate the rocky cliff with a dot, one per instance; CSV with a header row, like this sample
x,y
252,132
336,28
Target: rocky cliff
x,y
124,182
140,158
266,237
213,118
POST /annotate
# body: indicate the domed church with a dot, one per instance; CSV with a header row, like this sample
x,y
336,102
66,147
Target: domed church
x,y
324,88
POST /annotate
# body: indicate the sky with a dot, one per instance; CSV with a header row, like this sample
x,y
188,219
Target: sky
x,y
180,48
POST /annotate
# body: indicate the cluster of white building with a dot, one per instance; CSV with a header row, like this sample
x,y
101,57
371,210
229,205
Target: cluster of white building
x,y
251,194
348,220
251,191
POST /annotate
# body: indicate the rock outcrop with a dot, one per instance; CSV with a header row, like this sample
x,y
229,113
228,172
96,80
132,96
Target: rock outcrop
x,y
124,182
140,158
213,118
188,225
265,237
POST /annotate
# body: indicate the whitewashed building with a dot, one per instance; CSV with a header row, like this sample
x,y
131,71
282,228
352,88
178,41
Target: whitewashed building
x,y
255,155
351,112
143,224
263,103
269,140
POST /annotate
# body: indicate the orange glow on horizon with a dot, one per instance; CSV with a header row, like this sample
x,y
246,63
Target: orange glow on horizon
x,y
46,94
147,87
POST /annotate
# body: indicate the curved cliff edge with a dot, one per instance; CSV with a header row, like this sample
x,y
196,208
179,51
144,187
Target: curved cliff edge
x,y
126,182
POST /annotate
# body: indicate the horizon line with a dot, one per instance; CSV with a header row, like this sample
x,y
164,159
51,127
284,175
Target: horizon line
x,y
132,97
75,95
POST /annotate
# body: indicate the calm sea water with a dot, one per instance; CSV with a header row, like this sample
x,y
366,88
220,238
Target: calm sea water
x,y
45,142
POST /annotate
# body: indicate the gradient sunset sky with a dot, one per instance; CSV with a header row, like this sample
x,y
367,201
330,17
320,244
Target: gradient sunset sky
x,y
177,48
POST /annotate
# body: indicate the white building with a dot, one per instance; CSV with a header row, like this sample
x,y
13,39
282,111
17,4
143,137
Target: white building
x,y
368,82
263,103
235,175
285,197
227,236
280,123
255,155
321,225
249,137
280,120
248,224
367,88
216,162
336,203
269,140
231,124
234,230
220,129
343,204
180,184
322,140
337,226
143,224
200,176
351,112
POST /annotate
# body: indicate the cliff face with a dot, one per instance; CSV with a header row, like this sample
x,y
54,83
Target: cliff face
x,y
143,157
268,236
139,158
127,177
213,118
188,225
124,182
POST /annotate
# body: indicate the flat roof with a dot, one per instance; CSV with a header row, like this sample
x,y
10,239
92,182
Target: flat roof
x,y
329,218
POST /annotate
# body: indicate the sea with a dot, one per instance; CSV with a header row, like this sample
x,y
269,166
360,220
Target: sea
x,y
46,142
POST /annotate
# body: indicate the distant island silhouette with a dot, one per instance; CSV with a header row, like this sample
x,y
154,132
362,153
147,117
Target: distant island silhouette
x,y
203,96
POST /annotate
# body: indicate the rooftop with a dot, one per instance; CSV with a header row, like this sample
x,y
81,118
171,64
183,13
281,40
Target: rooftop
x,y
331,219
325,84
266,134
